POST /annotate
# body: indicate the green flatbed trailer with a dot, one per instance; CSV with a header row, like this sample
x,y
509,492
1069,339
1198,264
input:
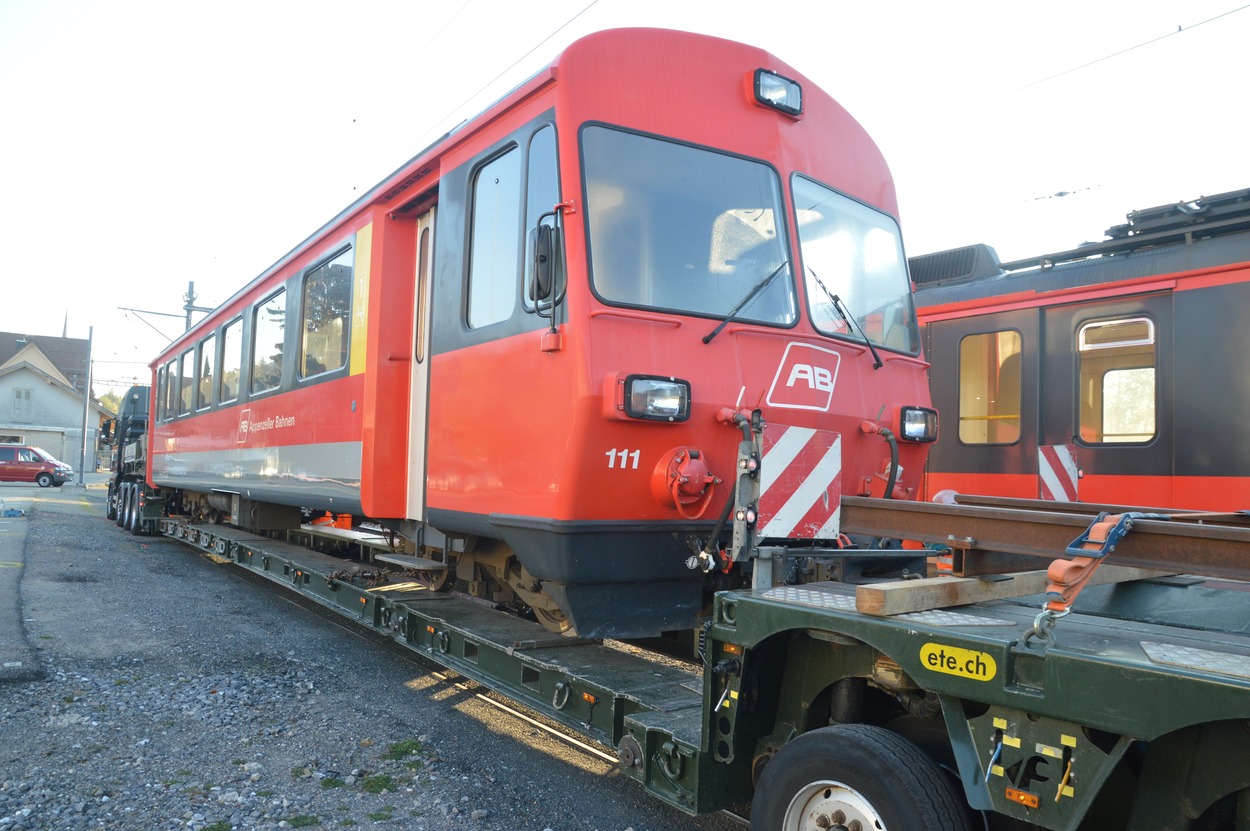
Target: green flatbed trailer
x,y
1133,712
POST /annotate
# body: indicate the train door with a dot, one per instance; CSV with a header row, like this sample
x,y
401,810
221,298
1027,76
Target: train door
x,y
1105,380
418,405
984,383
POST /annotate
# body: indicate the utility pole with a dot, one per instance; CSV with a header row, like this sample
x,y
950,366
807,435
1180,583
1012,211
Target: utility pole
x,y
190,306
86,413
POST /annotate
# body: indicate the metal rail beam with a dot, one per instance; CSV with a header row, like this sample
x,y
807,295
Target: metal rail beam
x,y
993,539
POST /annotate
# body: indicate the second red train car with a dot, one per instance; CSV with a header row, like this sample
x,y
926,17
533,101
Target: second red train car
x,y
1110,373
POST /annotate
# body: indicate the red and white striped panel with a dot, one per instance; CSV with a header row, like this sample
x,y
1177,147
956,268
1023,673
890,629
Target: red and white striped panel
x,y
800,483
1057,472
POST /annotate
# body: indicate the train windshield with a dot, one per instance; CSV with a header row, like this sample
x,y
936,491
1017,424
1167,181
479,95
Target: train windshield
x,y
853,258
685,229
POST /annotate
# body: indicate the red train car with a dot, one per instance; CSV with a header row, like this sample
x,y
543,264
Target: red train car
x,y
1110,373
517,351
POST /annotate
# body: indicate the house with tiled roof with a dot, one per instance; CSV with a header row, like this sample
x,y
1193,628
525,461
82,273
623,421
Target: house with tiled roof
x,y
42,382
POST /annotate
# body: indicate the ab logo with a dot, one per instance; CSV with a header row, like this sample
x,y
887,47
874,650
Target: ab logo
x,y
805,378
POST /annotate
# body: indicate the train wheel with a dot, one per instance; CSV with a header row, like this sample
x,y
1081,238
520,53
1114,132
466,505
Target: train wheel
x,y
436,580
855,775
553,619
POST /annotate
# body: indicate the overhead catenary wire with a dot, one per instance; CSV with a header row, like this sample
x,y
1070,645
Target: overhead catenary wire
x,y
1180,29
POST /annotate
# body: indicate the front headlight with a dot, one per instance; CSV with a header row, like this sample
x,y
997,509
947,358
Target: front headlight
x,y
656,398
918,424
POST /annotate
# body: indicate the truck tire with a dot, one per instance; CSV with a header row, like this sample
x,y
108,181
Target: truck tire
x,y
866,774
123,501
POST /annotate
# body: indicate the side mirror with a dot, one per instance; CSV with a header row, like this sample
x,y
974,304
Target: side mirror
x,y
106,431
542,277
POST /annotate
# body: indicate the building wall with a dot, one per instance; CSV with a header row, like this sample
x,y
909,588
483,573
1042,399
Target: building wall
x,y
42,413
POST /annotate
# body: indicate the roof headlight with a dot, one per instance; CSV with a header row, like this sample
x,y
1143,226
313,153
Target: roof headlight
x,y
778,92
656,398
919,423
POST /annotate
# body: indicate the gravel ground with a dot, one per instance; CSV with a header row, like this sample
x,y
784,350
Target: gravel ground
x,y
176,693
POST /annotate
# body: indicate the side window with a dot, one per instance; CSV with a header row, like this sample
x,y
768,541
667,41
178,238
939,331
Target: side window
x,y
495,247
990,388
268,337
161,381
208,361
327,312
1117,378
423,279
542,190
186,380
231,360
171,390
8,454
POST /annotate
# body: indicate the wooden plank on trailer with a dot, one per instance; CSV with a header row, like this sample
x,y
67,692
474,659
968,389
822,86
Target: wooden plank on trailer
x,y
901,596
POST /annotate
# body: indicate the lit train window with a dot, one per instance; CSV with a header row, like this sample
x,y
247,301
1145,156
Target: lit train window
x,y
685,229
231,360
268,339
327,312
990,388
1117,381
494,253
186,380
208,359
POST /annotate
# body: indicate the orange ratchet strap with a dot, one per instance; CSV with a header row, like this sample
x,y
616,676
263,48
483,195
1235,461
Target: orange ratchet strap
x,y
1068,577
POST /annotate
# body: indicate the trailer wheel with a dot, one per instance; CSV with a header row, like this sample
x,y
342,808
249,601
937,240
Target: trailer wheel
x,y
856,776
110,504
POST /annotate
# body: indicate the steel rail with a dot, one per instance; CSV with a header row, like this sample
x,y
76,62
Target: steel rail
x,y
995,539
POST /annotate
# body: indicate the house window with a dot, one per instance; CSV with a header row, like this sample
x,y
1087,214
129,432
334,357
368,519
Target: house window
x,y
21,405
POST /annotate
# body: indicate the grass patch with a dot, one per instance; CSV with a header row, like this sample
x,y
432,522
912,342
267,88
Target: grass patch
x,y
221,825
377,783
400,750
379,816
329,782
304,821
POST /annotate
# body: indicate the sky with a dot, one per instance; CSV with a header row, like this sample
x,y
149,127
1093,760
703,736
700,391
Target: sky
x,y
148,144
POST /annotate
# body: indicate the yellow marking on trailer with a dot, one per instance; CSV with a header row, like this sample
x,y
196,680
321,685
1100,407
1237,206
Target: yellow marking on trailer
x,y
1011,741
360,299
1049,750
997,770
1067,741
1000,723
955,660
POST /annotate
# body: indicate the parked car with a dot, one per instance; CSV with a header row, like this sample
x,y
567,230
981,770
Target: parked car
x,y
22,463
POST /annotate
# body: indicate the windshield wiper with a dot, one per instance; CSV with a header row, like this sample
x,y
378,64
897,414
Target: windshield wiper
x,y
847,318
759,287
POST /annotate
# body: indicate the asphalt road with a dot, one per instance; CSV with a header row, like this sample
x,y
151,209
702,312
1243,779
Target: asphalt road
x,y
137,655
